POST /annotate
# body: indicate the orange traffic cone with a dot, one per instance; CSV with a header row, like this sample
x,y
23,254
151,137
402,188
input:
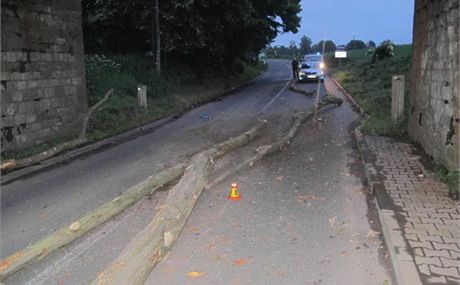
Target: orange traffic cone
x,y
234,193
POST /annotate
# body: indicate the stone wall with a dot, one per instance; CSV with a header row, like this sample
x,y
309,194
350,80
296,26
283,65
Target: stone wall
x,y
434,112
43,89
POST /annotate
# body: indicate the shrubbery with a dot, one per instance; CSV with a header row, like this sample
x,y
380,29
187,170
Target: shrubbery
x,y
383,51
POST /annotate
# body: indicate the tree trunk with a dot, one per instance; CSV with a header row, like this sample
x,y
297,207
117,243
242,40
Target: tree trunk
x,y
155,241
66,235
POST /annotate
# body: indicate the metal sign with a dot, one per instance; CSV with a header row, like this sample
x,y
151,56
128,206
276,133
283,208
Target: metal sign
x,y
341,54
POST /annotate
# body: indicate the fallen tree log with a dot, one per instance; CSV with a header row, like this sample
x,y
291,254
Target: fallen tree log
x,y
24,162
19,163
67,234
284,141
300,90
90,112
154,242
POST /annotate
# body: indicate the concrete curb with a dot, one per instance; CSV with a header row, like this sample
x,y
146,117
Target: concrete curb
x,y
60,158
405,270
404,267
352,100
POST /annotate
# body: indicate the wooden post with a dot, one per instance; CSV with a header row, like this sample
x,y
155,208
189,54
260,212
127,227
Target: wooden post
x,y
397,97
142,96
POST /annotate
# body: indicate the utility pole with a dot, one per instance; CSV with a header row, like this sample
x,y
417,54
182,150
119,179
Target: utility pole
x,y
156,35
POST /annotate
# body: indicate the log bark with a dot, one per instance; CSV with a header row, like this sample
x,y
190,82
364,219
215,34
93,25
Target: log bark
x,y
280,144
19,163
155,241
301,91
67,234
90,112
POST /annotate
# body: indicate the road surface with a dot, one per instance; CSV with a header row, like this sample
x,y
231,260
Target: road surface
x,y
304,217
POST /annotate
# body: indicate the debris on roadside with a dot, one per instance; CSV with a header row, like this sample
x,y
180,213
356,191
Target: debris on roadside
x,y
194,274
206,116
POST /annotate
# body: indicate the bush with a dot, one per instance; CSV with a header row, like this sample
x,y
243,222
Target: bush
x,y
383,51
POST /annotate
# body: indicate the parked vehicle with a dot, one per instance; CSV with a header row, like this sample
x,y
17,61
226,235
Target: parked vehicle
x,y
313,58
311,70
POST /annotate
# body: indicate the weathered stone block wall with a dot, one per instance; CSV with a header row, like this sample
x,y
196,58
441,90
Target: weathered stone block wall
x,y
434,116
43,89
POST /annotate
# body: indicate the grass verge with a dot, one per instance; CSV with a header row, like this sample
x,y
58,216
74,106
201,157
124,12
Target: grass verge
x,y
370,85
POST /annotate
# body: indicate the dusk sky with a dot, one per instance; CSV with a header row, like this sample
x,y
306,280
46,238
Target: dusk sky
x,y
341,21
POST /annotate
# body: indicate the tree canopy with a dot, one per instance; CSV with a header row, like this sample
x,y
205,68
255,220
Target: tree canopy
x,y
355,44
213,30
371,44
305,45
328,45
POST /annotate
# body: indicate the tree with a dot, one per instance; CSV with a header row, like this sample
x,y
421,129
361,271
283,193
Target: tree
x,y
305,45
324,46
202,32
371,44
355,44
293,47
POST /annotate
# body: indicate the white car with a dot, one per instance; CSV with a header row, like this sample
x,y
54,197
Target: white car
x,y
313,58
311,70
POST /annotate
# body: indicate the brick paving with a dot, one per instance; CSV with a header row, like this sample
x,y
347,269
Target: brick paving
x,y
431,225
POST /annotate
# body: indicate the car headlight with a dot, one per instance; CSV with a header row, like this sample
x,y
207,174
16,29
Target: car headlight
x,y
321,65
301,73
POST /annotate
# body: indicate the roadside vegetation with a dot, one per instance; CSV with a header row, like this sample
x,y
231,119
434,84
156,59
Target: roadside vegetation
x,y
369,82
176,90
451,178
202,56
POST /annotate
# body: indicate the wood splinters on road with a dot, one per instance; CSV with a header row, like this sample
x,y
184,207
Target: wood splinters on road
x,y
194,274
372,234
75,226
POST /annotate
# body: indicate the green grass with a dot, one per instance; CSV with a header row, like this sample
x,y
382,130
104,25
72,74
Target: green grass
x,y
451,178
370,85
400,51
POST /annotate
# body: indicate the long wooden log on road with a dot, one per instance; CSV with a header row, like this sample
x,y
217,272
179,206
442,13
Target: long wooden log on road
x,y
264,150
69,233
300,90
155,241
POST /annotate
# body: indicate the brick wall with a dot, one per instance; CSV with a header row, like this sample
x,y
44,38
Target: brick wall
x,y
434,116
43,89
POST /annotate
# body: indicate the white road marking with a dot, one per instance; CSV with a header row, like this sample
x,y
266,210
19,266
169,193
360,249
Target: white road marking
x,y
276,96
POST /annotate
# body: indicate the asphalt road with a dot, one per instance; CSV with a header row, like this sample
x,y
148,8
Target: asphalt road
x,y
303,218
38,205
282,232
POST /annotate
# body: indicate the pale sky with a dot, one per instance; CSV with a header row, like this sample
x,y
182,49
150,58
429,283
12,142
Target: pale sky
x,y
341,21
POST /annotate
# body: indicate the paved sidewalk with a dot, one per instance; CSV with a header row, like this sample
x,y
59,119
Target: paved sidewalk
x,y
424,235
